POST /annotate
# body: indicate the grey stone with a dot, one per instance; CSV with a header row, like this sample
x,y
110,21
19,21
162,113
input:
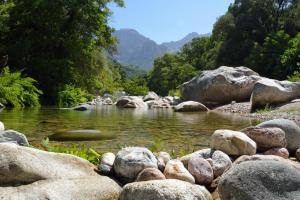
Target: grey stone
x,y
201,170
267,92
151,96
2,128
190,106
150,174
14,137
292,131
176,170
131,102
164,190
91,188
131,161
24,165
257,180
220,86
107,162
233,143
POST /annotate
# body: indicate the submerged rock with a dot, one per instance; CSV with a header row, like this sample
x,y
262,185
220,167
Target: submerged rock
x,y
190,106
256,180
164,190
220,86
13,137
80,135
268,92
233,143
131,161
176,170
292,131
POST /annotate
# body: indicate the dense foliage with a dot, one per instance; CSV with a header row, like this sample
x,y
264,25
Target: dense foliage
x,y
72,96
59,42
18,91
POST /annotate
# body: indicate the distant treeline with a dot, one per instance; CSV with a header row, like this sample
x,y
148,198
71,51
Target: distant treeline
x,y
260,34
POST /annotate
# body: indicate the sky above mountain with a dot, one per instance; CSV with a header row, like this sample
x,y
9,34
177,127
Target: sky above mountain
x,y
168,20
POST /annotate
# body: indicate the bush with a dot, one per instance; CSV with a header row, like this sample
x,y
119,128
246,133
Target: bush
x,y
136,87
295,77
71,96
17,91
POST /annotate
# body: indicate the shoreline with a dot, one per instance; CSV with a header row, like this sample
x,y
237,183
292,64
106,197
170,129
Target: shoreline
x,y
243,109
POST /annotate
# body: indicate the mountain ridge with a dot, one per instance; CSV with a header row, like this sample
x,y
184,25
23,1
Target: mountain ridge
x,y
138,50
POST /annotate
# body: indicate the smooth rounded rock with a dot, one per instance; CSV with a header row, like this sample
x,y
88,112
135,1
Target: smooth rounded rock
x,y
292,131
23,165
91,188
256,180
131,102
13,137
282,152
151,96
131,161
220,86
150,174
201,170
218,160
233,143
107,162
190,106
162,159
266,138
164,190
176,170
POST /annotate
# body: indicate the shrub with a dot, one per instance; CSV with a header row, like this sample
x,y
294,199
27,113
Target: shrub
x,y
295,77
77,150
72,96
18,91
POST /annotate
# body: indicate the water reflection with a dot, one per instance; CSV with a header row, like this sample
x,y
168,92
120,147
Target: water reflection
x,y
158,128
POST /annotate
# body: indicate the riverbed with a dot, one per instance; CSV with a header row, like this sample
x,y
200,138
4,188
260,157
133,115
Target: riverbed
x,y
111,128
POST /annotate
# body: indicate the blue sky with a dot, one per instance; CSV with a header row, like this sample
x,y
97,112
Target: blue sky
x,y
168,20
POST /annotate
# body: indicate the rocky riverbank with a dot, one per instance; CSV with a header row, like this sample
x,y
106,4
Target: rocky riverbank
x,y
238,165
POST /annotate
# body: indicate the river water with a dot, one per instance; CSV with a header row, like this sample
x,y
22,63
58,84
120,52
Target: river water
x,y
108,128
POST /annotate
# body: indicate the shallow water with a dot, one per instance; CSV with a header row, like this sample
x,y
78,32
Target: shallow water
x,y
111,128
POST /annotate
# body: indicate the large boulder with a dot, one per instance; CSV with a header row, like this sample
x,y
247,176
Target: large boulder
x,y
131,102
92,188
13,137
266,138
267,92
151,96
292,131
220,86
131,161
190,106
256,180
176,170
233,143
164,190
219,160
23,165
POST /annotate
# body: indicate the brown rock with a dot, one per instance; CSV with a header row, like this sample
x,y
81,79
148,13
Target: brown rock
x,y
150,174
282,152
201,170
162,159
175,170
266,138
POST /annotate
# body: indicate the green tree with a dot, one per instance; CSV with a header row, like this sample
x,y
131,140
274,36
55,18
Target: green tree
x,y
58,42
168,73
266,59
